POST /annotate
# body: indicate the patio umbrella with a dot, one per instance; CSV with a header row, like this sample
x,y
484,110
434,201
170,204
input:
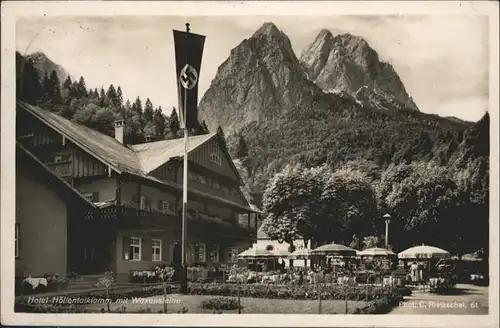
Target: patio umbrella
x,y
255,253
376,251
300,254
334,249
280,253
424,252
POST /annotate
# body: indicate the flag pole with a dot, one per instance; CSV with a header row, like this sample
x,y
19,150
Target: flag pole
x,y
184,190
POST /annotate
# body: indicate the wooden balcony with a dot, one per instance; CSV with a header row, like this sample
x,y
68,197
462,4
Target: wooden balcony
x,y
62,168
122,217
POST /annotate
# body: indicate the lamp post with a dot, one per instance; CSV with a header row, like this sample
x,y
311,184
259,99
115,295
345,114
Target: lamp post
x,y
387,218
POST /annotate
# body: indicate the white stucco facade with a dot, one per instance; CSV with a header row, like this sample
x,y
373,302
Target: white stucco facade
x,y
264,242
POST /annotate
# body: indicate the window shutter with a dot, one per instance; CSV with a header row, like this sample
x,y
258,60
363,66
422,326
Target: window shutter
x,y
95,196
160,205
143,202
126,248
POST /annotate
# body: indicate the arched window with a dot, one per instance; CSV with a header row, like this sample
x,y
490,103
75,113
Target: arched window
x,y
215,158
269,247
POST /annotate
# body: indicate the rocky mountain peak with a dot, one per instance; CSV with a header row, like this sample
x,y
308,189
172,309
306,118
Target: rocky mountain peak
x,y
261,78
45,65
267,29
347,62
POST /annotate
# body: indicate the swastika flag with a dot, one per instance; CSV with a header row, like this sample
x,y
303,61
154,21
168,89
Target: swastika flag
x,y
188,54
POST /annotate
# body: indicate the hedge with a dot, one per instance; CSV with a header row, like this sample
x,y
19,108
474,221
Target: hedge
x,y
328,292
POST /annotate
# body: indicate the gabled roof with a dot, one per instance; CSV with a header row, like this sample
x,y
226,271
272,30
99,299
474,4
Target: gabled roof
x,y
105,148
154,154
137,159
24,157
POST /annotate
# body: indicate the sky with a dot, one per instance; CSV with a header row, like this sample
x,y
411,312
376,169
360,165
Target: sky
x,y
443,61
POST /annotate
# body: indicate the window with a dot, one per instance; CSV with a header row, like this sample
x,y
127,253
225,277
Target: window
x,y
214,254
135,249
201,253
16,240
156,249
91,196
166,207
232,255
61,158
216,159
269,247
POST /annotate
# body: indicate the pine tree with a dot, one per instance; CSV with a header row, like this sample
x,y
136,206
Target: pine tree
x,y
103,99
82,88
137,106
47,88
174,125
31,90
111,95
148,111
159,123
96,93
242,148
128,106
119,96
55,95
67,83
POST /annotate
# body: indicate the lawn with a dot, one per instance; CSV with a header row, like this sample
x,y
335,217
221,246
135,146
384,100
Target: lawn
x,y
175,302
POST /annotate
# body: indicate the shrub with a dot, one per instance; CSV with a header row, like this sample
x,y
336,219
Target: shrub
x,y
220,303
330,292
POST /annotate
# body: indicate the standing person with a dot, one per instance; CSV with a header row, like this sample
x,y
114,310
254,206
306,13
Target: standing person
x,y
414,272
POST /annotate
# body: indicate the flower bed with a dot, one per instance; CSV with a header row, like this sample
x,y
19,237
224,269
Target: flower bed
x,y
328,292
158,274
220,303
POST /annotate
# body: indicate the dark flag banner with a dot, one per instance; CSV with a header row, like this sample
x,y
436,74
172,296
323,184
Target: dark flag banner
x,y
188,53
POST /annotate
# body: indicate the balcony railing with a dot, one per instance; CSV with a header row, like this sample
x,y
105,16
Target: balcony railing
x,y
62,168
125,216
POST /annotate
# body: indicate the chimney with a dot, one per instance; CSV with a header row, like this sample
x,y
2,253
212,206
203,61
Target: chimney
x,y
119,126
